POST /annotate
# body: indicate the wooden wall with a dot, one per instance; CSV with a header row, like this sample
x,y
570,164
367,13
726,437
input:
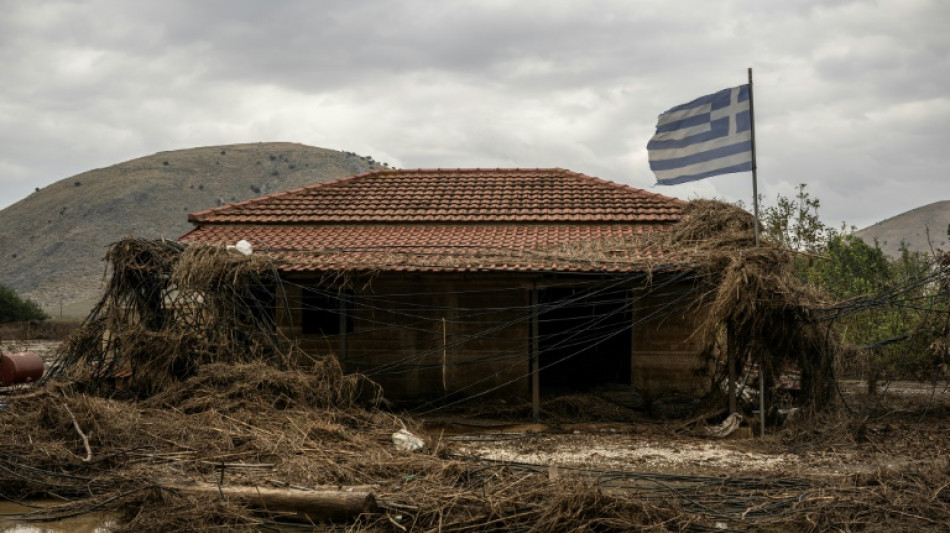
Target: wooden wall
x,y
404,325
666,355
398,339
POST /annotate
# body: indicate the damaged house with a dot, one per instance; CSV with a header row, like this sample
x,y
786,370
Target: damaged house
x,y
453,283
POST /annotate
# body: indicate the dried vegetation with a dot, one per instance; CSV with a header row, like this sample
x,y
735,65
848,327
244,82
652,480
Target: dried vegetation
x,y
179,374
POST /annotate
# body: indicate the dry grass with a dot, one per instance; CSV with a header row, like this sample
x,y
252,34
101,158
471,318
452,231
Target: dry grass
x,y
179,374
279,432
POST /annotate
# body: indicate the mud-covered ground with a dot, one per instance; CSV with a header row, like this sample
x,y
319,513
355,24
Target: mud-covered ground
x,y
904,425
45,348
874,463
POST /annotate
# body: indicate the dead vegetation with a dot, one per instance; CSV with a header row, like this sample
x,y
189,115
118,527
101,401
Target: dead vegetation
x,y
180,375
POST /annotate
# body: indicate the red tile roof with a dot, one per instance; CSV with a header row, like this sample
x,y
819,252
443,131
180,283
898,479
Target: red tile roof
x,y
450,220
454,195
423,247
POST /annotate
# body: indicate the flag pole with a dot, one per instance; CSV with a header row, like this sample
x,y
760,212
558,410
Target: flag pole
x,y
755,214
755,181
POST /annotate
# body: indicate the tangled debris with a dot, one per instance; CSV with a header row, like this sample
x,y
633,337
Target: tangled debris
x,y
180,375
138,449
754,293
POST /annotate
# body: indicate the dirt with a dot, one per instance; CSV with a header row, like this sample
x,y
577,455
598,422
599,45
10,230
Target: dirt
x,y
88,523
878,463
627,451
46,349
906,434
685,454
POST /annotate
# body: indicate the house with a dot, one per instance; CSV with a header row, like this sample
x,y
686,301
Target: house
x,y
453,283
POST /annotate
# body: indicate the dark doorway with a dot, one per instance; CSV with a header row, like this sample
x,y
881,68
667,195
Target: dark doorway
x,y
584,339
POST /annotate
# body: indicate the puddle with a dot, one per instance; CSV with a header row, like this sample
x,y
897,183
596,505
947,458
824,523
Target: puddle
x,y
87,523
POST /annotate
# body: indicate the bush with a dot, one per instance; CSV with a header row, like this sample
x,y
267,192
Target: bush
x,y
16,309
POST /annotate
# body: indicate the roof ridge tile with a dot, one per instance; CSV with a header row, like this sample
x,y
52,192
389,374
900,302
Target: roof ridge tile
x,y
542,194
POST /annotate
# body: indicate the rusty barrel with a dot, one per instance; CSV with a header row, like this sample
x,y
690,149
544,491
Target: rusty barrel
x,y
24,367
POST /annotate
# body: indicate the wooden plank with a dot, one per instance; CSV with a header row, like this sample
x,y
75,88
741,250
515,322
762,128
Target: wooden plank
x,y
665,357
309,505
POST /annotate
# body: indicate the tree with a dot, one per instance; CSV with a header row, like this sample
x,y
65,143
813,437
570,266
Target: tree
x,y
851,268
880,300
794,222
13,308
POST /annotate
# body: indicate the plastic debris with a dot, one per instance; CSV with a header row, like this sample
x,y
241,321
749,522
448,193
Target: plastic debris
x,y
726,428
787,415
242,247
744,393
406,441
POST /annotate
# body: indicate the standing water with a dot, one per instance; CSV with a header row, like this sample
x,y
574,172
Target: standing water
x,y
87,523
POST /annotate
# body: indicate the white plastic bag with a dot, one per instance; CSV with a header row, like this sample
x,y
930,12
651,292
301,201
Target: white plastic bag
x,y
242,247
726,428
406,441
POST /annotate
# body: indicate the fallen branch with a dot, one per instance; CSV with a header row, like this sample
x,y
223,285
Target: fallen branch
x,y
85,439
311,505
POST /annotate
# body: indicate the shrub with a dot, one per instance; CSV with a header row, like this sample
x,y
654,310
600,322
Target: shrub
x,y
13,308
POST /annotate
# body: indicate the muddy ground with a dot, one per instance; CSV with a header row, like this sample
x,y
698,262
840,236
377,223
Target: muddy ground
x,y
905,425
45,348
873,463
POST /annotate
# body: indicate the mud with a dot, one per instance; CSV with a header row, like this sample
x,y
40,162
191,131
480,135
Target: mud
x,y
87,523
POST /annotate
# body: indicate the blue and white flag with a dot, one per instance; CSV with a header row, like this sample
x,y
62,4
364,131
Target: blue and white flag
x,y
709,136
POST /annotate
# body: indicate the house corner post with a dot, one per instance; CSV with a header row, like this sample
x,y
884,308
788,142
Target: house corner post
x,y
343,331
731,365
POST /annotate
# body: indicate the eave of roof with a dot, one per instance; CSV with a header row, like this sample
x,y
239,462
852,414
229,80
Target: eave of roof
x,y
451,248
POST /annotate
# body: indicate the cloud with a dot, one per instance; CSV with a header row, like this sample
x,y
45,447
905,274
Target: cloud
x,y
850,95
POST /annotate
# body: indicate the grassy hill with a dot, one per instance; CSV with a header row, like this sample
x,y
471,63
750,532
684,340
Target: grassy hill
x,y
920,228
53,241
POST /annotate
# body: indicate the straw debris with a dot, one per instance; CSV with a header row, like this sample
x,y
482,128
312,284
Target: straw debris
x,y
180,373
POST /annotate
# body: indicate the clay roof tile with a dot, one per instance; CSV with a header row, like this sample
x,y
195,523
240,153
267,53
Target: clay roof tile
x,y
450,195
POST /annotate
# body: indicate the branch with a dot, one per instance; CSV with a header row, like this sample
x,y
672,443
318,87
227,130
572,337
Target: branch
x,y
85,440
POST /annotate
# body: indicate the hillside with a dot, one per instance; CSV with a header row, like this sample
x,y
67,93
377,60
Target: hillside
x,y
912,227
53,241
921,228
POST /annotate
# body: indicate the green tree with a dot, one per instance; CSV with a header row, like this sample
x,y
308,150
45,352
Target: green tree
x,y
878,298
13,308
851,268
794,222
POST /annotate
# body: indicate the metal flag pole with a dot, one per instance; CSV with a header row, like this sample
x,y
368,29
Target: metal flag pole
x,y
755,214
755,181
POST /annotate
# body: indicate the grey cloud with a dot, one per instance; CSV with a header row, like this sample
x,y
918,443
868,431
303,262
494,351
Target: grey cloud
x,y
555,83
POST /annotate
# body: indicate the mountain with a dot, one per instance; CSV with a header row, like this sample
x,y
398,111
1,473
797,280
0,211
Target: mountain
x,y
921,228
53,241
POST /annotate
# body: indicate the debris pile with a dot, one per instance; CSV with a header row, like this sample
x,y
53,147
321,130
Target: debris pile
x,y
180,378
754,292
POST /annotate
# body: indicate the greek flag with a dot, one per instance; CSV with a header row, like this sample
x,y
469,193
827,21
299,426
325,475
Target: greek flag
x,y
709,136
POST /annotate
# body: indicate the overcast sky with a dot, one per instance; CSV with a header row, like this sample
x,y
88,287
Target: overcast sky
x,y
851,98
